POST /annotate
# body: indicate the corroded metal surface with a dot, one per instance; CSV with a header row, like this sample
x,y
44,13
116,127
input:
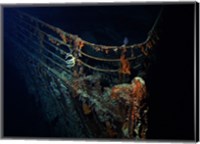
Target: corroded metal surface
x,y
76,97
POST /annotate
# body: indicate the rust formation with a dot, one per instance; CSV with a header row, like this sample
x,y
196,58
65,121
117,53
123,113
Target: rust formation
x,y
103,96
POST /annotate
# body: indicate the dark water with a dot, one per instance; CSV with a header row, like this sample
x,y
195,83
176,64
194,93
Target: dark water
x,y
170,80
21,116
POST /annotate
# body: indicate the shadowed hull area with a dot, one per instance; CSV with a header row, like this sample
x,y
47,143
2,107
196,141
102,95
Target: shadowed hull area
x,y
99,72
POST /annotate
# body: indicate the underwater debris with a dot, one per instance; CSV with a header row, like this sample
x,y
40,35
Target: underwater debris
x,y
86,109
125,65
70,60
110,131
121,91
81,44
132,94
125,129
78,43
139,88
87,99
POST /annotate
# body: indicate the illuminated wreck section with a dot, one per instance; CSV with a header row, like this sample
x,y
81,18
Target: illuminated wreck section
x,y
84,89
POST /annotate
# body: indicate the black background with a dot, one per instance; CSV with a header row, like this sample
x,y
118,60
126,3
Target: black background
x,y
172,79
170,82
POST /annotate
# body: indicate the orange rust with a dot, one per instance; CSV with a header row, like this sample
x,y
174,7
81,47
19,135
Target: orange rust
x,y
139,90
114,93
78,43
81,44
125,65
86,109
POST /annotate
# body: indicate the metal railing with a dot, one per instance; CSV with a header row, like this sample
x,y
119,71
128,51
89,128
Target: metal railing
x,y
53,44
